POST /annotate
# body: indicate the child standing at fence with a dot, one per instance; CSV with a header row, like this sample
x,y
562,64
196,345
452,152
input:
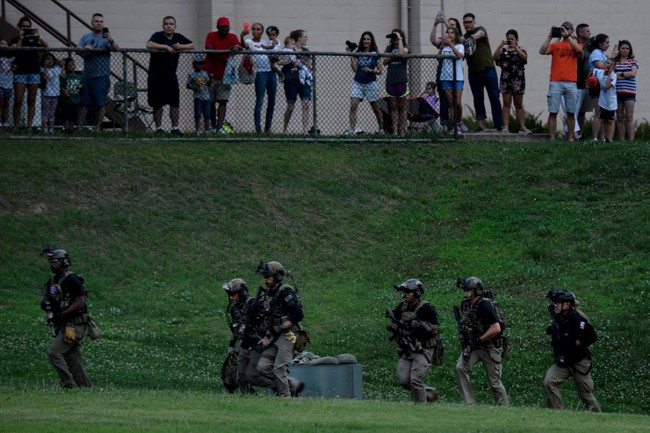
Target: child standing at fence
x,y
51,73
6,81
607,98
197,82
71,92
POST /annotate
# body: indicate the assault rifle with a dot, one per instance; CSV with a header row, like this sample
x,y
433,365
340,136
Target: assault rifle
x,y
554,331
465,344
253,308
403,341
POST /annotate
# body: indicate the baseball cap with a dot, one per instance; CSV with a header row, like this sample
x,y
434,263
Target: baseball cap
x,y
223,21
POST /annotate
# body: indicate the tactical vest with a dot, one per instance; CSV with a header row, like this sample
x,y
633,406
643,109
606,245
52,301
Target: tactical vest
x,y
61,299
283,295
408,316
471,325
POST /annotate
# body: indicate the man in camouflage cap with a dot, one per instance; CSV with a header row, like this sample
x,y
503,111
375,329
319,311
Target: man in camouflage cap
x,y
414,324
480,332
64,301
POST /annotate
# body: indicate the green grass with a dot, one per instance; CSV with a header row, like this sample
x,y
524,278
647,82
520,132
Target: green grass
x,y
135,411
157,228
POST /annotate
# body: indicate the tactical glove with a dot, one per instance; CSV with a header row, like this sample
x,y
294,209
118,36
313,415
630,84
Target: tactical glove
x,y
70,336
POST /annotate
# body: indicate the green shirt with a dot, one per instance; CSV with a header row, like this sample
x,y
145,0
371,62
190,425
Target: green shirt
x,y
482,57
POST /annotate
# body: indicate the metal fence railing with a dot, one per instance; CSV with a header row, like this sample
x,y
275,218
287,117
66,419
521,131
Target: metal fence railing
x,y
128,111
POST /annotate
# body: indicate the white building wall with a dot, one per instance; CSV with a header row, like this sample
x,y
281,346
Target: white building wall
x,y
329,23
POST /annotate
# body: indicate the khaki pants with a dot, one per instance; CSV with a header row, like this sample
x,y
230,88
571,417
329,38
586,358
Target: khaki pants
x,y
274,364
411,370
66,359
493,370
555,376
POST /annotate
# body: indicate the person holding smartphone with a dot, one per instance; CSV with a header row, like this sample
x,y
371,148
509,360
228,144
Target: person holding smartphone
x,y
97,46
27,75
512,59
564,75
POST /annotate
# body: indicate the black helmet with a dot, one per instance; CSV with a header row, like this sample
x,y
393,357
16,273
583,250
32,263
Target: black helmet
x,y
236,285
559,296
271,269
470,283
60,256
411,285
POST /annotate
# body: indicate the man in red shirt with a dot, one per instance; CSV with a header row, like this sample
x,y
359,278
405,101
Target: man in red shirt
x,y
215,65
564,75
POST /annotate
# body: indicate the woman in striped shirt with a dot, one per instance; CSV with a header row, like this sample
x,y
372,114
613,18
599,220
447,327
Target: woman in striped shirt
x,y
625,69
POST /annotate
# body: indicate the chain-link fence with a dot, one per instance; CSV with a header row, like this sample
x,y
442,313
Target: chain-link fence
x,y
128,99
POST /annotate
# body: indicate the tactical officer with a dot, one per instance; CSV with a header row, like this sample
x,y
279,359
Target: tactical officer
x,y
64,301
283,324
571,335
246,314
480,333
414,324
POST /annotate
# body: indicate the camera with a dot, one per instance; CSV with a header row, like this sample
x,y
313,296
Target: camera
x,y
391,36
508,42
351,45
28,32
556,32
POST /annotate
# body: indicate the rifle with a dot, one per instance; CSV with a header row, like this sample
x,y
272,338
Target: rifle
x,y
401,339
554,331
466,347
252,308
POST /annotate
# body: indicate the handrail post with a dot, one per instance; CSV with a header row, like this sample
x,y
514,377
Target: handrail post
x,y
314,111
126,111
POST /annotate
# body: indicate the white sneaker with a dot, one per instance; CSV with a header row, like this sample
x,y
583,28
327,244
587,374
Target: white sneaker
x,y
359,131
380,132
222,132
348,131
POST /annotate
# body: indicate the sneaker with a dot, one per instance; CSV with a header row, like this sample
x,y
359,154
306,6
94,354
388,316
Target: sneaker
x,y
380,132
176,132
160,131
463,128
525,131
222,131
480,129
348,131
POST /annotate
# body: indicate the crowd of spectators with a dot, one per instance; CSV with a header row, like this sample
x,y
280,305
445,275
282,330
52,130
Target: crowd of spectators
x,y
583,78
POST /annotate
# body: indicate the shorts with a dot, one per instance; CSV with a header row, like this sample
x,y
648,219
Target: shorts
x,y
449,85
161,94
400,90
6,93
219,91
557,89
584,103
625,97
95,91
201,109
369,91
293,88
607,114
27,78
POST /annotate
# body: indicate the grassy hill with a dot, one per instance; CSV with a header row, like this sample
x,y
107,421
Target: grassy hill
x,y
157,228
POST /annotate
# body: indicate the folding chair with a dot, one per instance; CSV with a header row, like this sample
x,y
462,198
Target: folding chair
x,y
125,101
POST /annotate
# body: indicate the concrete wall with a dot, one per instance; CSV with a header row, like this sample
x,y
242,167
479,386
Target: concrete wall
x,y
330,23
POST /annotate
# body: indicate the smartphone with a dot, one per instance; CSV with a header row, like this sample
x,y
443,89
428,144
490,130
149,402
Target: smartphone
x,y
105,32
556,32
247,26
28,32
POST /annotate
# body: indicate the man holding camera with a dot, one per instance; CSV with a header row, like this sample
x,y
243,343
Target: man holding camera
x,y
564,76
97,46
